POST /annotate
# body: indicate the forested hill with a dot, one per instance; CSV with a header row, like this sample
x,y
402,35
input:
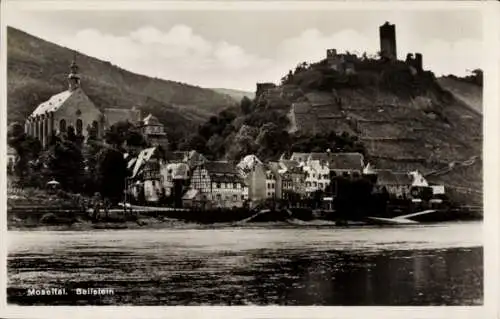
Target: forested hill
x,y
37,69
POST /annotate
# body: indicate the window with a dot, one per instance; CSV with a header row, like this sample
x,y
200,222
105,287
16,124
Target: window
x,y
79,127
235,197
235,185
345,174
218,197
218,185
315,184
62,125
325,176
332,173
268,194
242,197
308,184
320,185
314,175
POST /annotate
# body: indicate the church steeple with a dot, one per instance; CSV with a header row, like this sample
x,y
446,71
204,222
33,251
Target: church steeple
x,y
73,76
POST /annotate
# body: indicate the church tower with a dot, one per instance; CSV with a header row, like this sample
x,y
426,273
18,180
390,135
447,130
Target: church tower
x,y
73,76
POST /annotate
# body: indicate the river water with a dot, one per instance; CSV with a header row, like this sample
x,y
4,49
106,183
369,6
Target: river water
x,y
440,264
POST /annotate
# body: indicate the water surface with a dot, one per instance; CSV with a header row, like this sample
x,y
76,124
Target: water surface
x,y
438,264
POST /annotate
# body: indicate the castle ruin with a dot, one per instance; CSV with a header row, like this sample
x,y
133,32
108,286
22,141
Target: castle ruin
x,y
388,41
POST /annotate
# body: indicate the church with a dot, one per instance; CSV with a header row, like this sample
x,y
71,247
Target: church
x,y
74,108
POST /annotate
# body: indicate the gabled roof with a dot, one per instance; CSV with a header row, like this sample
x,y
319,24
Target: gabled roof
x,y
190,194
388,177
53,103
151,120
220,167
142,158
348,161
296,156
289,166
248,163
318,157
131,163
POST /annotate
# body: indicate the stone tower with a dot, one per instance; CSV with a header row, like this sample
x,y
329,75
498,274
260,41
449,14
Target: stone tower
x,y
73,76
388,41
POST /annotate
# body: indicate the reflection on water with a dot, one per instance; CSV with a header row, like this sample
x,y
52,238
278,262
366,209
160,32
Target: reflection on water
x,y
419,265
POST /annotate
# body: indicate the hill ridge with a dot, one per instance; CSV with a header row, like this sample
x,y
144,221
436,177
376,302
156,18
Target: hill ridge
x,y
37,69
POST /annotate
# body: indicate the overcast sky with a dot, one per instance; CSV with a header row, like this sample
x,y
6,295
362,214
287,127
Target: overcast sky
x,y
236,49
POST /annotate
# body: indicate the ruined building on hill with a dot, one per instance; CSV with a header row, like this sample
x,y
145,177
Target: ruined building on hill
x,y
387,33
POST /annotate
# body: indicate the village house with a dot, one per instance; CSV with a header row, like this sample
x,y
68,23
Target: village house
x,y
175,177
346,164
146,176
254,173
154,132
220,184
292,179
397,184
191,158
317,174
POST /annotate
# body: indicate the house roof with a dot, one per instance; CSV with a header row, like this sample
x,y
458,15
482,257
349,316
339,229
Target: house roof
x,y
297,156
388,177
142,158
220,167
223,172
53,103
190,194
194,156
151,120
289,166
225,178
248,163
318,157
115,115
349,161
131,163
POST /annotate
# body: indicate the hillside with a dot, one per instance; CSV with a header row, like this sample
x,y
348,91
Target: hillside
x,y
467,92
37,69
237,95
401,117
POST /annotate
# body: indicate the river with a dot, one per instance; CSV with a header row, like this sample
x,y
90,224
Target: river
x,y
439,264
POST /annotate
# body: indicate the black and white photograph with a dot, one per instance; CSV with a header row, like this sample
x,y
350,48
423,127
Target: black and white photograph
x,y
253,155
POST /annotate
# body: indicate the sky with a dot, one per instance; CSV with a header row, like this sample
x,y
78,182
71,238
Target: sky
x,y
236,49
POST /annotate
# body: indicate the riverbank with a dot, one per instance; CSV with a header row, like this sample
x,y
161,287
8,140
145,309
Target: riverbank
x,y
38,211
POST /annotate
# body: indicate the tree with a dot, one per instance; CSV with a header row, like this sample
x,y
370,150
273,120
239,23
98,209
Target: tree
x,y
28,150
63,161
123,134
246,105
112,173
